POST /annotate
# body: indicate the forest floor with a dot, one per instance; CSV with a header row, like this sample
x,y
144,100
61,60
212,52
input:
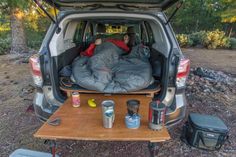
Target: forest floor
x,y
216,97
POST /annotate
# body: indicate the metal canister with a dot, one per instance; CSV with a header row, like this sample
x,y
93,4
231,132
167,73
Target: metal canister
x,y
156,117
108,113
132,119
75,99
133,106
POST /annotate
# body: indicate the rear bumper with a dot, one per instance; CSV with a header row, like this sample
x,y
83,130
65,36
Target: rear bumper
x,y
43,109
177,111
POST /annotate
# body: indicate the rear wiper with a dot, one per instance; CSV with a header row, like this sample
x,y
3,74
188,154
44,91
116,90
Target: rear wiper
x,y
98,6
119,6
95,6
127,7
48,15
178,6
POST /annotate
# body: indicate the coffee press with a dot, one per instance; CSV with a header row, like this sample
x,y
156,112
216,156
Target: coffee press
x,y
156,117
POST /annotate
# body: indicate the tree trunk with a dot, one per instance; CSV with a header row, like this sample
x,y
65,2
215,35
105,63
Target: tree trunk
x,y
230,30
18,44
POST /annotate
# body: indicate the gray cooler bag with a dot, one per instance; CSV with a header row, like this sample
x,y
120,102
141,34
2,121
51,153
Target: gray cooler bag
x,y
204,132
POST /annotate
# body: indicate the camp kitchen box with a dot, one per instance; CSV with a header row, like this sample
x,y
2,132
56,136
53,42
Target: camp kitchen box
x,y
205,132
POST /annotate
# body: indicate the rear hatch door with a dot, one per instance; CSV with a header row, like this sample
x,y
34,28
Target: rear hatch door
x,y
160,4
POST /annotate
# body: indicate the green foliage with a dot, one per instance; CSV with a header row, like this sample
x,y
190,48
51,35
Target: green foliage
x,y
8,5
209,39
229,13
216,39
204,15
4,26
34,38
5,42
36,20
197,15
232,43
36,26
184,40
197,38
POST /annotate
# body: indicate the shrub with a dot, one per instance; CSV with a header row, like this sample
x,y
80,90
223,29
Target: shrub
x,y
184,40
5,45
233,43
5,42
197,38
216,39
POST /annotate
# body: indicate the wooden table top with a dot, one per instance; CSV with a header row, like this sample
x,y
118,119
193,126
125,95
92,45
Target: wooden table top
x,y
85,123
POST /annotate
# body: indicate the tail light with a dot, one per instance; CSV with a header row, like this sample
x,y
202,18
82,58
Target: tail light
x,y
35,70
183,71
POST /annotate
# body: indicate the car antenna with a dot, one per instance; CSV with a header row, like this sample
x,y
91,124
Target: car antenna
x,y
48,15
178,6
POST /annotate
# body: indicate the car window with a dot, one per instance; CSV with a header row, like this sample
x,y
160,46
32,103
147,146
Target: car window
x,y
88,34
149,32
144,36
78,37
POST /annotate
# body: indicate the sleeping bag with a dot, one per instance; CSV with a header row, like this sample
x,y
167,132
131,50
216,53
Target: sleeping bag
x,y
109,71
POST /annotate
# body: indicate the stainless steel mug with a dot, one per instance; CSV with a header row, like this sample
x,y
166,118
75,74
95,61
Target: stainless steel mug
x,y
108,113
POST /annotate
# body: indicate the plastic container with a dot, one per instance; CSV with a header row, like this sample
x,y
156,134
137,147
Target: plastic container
x,y
29,153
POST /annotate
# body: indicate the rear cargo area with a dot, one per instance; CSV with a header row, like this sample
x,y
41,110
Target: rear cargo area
x,y
120,82
113,66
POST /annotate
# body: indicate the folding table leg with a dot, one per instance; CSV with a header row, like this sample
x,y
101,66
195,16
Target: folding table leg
x,y
53,146
154,148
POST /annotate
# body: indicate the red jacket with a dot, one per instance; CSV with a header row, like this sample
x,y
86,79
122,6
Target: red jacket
x,y
120,43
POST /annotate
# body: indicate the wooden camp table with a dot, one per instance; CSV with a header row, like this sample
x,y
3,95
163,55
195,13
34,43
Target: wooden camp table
x,y
85,123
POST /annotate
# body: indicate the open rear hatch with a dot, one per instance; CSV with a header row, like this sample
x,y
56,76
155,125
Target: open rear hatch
x,y
160,4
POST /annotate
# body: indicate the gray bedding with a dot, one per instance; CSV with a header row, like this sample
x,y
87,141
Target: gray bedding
x,y
109,71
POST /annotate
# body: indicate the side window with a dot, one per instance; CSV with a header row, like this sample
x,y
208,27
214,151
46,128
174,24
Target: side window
x,y
150,33
88,34
144,36
78,37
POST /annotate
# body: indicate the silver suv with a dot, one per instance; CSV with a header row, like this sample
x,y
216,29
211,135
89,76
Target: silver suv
x,y
74,29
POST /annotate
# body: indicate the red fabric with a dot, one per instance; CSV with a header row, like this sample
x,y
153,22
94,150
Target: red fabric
x,y
120,43
89,51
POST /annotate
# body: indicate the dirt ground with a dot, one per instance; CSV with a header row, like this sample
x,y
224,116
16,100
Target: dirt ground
x,y
18,122
223,60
